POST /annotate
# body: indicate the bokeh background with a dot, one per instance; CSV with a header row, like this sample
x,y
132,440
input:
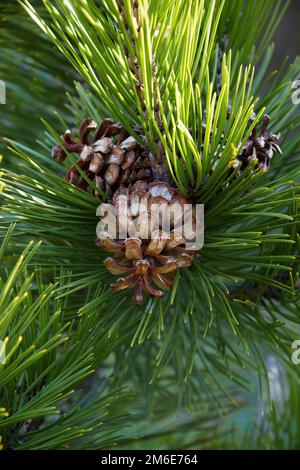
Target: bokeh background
x,y
287,36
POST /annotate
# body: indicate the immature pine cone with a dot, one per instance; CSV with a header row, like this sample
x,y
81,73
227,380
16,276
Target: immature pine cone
x,y
260,148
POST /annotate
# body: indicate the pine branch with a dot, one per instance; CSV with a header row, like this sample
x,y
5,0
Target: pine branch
x,y
163,73
45,359
36,78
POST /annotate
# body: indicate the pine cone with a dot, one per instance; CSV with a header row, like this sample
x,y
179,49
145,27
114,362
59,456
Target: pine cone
x,y
111,158
260,148
153,257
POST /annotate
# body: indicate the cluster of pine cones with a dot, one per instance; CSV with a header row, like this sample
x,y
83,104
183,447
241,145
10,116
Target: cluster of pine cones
x,y
119,166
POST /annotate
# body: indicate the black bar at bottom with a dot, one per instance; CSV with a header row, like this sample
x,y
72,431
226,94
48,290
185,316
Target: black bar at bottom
x,y
133,459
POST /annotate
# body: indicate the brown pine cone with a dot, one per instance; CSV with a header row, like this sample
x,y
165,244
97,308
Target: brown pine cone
x,y
260,148
110,158
155,255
